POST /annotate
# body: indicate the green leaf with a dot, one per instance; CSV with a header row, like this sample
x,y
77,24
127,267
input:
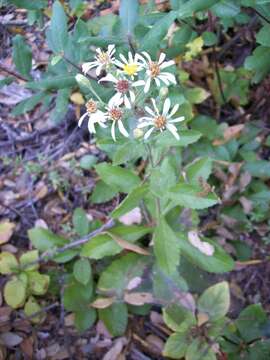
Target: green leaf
x,y
178,318
85,319
128,152
130,233
53,83
44,239
30,5
176,346
219,262
199,168
38,283
15,292
116,277
187,137
258,63
166,247
80,222
226,9
163,178
115,318
251,321
28,104
117,177
61,105
77,296
128,14
8,263
82,271
22,56
215,301
28,258
190,196
152,39
258,168
263,36
100,246
57,34
191,6
102,193
88,161
209,38
131,201
31,307
199,351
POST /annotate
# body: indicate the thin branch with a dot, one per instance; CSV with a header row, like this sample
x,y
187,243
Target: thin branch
x,y
261,16
12,72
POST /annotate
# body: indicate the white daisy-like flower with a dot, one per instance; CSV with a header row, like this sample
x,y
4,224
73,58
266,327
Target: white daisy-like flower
x,y
102,61
160,121
154,71
124,91
95,116
131,65
115,114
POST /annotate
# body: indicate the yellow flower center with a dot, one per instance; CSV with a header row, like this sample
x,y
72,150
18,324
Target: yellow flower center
x,y
154,69
160,122
103,57
115,114
130,69
91,106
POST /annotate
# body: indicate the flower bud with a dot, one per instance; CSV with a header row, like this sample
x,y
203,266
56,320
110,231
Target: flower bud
x,y
163,92
137,133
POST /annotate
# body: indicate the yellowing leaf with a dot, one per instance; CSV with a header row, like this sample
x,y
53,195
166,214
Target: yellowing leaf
x,y
128,246
203,246
29,258
6,230
8,263
230,133
31,307
102,303
77,98
38,283
195,48
15,292
138,298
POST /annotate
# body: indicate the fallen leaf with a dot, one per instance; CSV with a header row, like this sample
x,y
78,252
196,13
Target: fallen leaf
x,y
41,191
247,204
10,339
138,298
230,133
128,246
132,217
116,349
6,231
102,303
202,246
156,344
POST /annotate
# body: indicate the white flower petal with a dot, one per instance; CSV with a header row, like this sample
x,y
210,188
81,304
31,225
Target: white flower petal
x,y
98,70
132,96
81,119
173,130
162,57
146,118
109,77
122,129
127,102
148,133
147,85
138,83
164,79
157,81
167,64
176,120
111,50
174,109
155,105
91,126
123,59
113,131
150,111
130,57
119,64
169,76
166,107
116,99
147,56
144,124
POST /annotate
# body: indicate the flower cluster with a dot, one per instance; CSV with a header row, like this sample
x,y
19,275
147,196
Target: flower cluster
x,y
128,74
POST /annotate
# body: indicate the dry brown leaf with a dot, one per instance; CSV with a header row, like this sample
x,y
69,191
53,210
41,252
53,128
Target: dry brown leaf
x,y
27,347
245,179
138,298
155,343
202,318
102,303
10,339
203,246
41,191
247,204
230,133
127,245
6,231
116,349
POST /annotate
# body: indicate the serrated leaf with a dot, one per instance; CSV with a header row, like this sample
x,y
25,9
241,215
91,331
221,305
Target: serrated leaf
x,y
187,137
128,14
77,296
38,283
82,271
28,104
215,301
100,246
80,222
191,6
131,201
128,152
176,346
8,263
44,239
117,177
166,247
22,56
57,34
199,169
178,318
15,292
199,351
115,318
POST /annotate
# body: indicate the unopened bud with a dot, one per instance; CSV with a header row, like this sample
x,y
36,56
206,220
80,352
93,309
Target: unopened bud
x,y
137,133
163,92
